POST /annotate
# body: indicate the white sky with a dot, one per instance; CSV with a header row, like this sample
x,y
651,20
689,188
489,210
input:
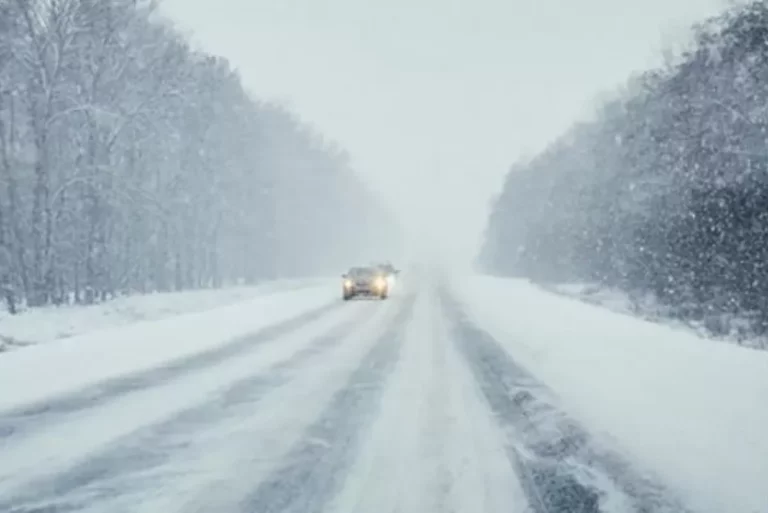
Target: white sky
x,y
434,99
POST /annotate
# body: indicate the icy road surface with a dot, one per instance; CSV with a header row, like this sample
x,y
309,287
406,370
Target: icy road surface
x,y
299,402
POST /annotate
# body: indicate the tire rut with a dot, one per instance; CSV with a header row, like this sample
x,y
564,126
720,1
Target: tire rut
x,y
26,419
105,473
560,468
314,470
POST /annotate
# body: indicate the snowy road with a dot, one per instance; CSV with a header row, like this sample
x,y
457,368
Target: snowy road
x,y
404,405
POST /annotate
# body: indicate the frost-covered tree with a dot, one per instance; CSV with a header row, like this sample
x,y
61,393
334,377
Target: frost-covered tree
x,y
131,163
666,191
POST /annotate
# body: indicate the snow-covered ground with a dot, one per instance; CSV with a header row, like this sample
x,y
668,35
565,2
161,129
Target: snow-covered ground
x,y
68,364
688,408
723,327
468,395
434,446
50,323
613,299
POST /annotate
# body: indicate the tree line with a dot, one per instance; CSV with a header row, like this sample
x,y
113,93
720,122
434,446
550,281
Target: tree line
x,y
130,162
664,192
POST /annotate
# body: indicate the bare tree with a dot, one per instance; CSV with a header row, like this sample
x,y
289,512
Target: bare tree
x,y
130,163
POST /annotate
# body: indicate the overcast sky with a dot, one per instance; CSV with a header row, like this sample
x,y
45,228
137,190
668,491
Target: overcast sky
x,y
434,99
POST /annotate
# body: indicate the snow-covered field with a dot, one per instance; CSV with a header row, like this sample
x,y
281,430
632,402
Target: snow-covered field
x,y
723,327
50,323
690,409
472,395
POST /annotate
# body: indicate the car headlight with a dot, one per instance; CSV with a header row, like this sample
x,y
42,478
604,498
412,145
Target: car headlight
x,y
379,283
347,283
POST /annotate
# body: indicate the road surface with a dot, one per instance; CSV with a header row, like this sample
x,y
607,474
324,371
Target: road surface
x,y
404,405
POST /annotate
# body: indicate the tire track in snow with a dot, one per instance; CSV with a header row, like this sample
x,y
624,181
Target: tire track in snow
x,y
479,476
434,447
106,474
314,469
560,467
27,419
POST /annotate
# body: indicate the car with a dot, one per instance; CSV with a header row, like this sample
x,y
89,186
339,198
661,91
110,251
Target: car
x,y
364,281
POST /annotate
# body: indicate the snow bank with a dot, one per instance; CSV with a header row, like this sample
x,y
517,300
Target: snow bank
x,y
614,299
65,365
688,408
51,323
724,327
